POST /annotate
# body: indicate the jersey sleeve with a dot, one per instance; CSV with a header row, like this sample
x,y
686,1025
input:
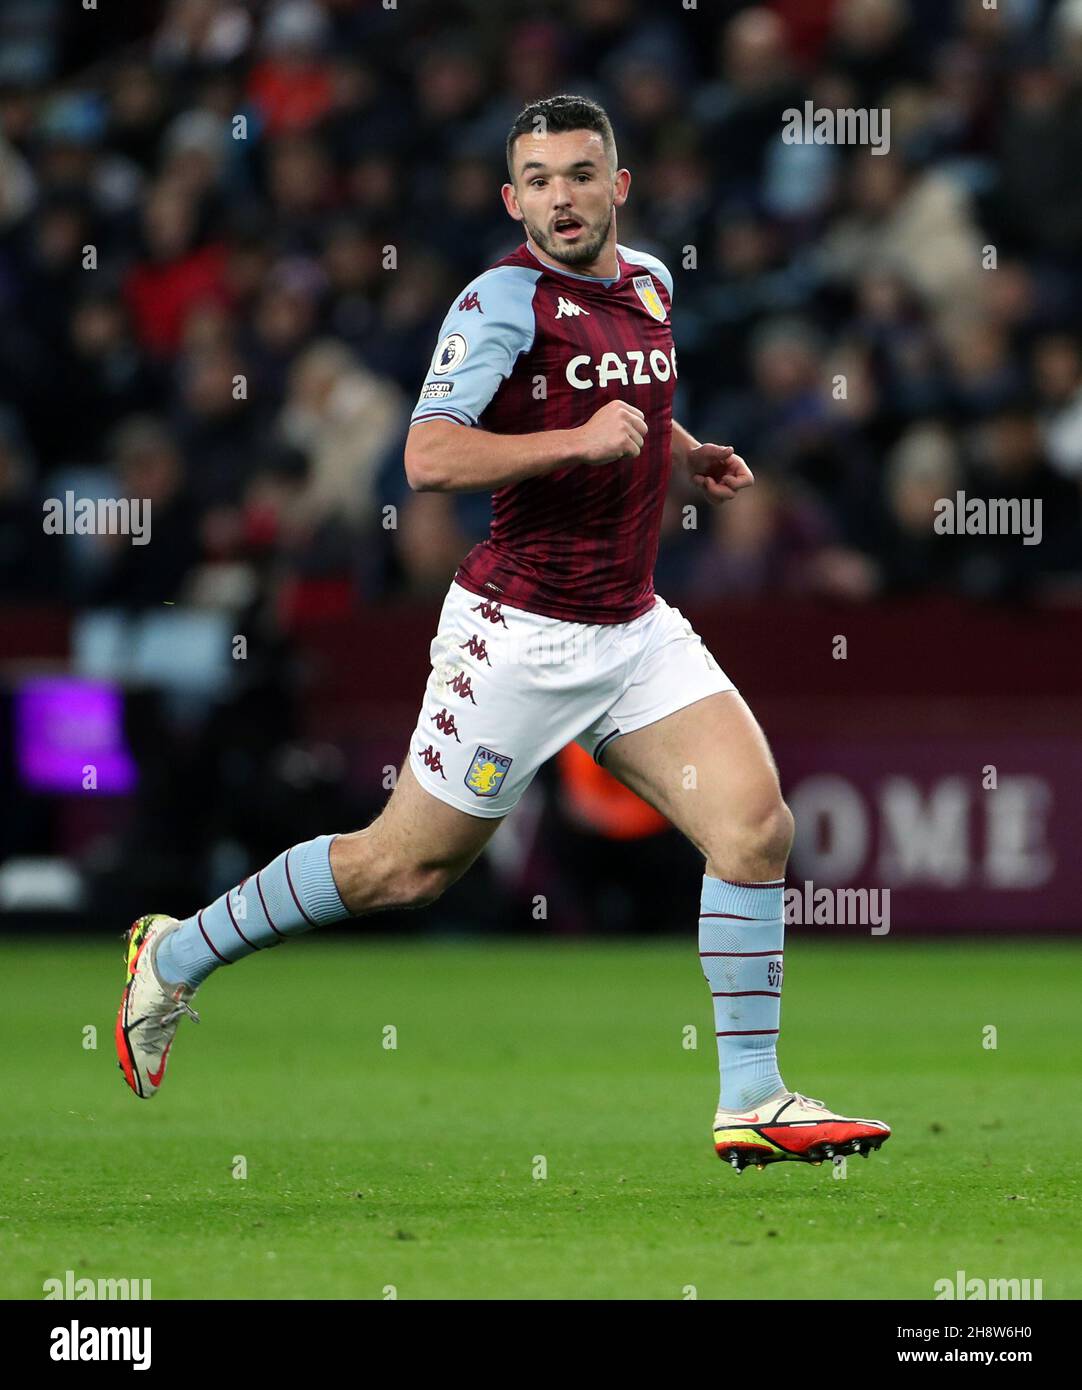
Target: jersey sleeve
x,y
485,332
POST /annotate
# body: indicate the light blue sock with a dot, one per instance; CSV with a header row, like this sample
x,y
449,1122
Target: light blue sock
x,y
293,894
741,933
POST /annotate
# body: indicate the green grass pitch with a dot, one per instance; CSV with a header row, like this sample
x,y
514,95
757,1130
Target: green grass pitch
x,y
417,1167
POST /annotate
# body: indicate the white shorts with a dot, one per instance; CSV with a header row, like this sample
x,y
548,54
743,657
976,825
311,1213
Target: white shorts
x,y
510,688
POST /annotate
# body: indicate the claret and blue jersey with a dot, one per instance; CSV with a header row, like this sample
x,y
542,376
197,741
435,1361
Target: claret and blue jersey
x,y
525,348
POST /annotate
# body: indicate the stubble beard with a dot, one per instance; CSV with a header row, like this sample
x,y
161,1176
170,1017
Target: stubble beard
x,y
582,252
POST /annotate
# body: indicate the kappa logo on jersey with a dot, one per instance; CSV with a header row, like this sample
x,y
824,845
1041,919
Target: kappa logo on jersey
x,y
487,772
471,301
613,367
651,300
568,310
450,354
437,390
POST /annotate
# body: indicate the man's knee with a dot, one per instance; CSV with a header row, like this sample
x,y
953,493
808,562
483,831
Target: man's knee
x,y
776,831
417,885
400,879
756,840
375,874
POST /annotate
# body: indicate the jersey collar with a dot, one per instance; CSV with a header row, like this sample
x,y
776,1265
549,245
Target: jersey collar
x,y
591,279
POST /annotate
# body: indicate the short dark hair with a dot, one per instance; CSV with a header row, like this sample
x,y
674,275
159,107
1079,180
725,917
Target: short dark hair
x,y
554,115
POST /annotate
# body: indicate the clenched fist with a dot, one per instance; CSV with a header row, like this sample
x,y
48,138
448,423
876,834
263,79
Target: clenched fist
x,y
615,431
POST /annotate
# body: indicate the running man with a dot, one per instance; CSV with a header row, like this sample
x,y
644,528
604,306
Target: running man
x,y
551,387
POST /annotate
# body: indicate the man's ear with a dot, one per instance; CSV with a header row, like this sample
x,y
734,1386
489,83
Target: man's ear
x,y
510,201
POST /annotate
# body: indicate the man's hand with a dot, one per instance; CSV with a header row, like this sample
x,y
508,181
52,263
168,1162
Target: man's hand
x,y
616,431
718,471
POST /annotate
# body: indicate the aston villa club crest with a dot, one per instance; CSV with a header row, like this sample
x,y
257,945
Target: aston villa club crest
x,y
651,300
487,772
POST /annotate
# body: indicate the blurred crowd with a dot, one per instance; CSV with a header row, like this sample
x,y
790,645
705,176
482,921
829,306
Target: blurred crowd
x,y
230,230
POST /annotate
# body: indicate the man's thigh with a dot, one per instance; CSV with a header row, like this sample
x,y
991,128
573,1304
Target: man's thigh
x,y
706,767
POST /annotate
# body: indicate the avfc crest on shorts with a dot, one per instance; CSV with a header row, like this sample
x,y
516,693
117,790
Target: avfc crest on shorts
x,y
651,300
487,771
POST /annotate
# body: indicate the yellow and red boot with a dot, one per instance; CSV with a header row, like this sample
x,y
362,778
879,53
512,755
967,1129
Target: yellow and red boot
x,y
146,1022
795,1127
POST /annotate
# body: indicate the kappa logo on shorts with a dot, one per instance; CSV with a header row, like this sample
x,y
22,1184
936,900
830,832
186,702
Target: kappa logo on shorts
x,y
490,608
463,687
431,759
445,721
487,771
476,647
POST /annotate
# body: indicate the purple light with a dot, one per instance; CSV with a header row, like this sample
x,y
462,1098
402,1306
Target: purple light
x,y
63,727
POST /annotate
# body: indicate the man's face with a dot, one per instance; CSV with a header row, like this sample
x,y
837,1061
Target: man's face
x,y
565,193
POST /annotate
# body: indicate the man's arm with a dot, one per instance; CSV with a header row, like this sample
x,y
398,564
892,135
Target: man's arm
x,y
682,445
442,456
715,469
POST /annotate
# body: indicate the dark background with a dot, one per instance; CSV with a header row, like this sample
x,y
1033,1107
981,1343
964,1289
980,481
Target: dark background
x,y
942,281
